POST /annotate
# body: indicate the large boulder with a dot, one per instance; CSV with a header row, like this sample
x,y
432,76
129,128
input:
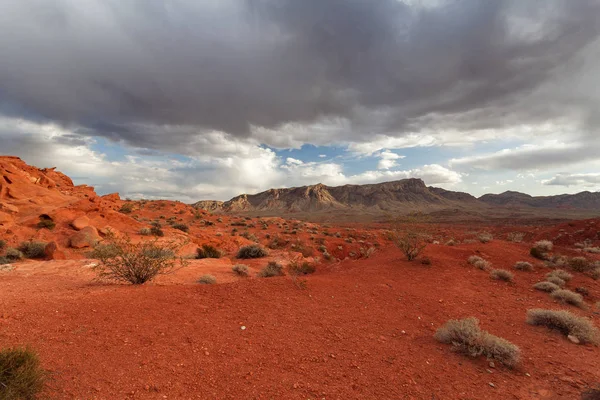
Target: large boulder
x,y
87,237
51,252
80,223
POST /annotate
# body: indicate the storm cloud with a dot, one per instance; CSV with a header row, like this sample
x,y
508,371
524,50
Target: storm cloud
x,y
167,74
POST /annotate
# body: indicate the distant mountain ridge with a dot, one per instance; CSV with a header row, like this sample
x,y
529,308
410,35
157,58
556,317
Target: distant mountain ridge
x,y
409,194
403,195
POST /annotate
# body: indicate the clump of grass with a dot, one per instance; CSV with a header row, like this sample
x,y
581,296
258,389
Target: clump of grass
x,y
555,280
515,237
560,273
126,208
207,251
32,249
546,286
46,223
566,323
466,337
502,275
13,254
478,262
2,244
523,266
181,227
240,269
304,268
595,273
582,291
145,231
580,264
568,297
252,251
540,249
272,269
21,376
485,237
4,260
207,279
156,229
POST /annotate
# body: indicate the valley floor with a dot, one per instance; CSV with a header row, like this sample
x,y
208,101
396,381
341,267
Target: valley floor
x,y
359,329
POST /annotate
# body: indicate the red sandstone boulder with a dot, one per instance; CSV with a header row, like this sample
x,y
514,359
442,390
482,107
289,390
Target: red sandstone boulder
x,y
80,223
87,237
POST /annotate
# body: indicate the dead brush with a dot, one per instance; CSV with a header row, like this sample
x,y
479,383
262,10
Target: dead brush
x,y
466,337
411,244
560,273
502,275
568,297
523,266
479,262
21,376
555,280
566,323
548,287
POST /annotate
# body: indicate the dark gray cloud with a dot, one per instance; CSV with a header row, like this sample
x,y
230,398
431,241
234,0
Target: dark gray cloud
x,y
158,73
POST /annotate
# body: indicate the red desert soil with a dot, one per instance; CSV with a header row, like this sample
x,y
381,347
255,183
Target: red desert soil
x,y
359,328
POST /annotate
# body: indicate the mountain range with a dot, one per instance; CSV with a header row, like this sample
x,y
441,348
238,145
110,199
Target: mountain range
x,y
408,195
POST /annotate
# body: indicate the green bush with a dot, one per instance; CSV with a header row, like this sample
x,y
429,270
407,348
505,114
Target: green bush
x,y
272,269
32,249
13,254
207,251
21,376
566,323
252,251
466,337
46,223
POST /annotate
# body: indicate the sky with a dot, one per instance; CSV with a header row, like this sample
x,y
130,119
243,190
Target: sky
x,y
200,99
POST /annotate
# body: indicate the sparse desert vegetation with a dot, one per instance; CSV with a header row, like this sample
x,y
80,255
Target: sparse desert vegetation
x,y
566,323
466,337
568,297
523,266
271,269
547,286
241,270
411,244
207,279
21,375
252,251
502,275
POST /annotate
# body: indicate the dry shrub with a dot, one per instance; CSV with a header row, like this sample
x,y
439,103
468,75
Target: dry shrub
x,y
207,279
560,273
2,244
582,291
272,269
411,244
21,376
515,237
252,251
13,254
523,266
466,337
580,264
568,297
297,268
555,280
240,269
502,275
566,323
485,237
543,245
546,286
207,251
136,263
593,250
595,273
479,262
32,249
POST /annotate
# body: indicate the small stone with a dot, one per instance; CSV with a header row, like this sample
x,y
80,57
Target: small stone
x,y
492,385
243,327
489,371
573,339
206,353
492,365
527,374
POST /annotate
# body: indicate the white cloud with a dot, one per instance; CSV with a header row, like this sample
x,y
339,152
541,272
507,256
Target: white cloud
x,y
388,159
565,179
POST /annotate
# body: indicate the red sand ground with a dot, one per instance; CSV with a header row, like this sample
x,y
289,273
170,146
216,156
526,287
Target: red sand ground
x,y
359,328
